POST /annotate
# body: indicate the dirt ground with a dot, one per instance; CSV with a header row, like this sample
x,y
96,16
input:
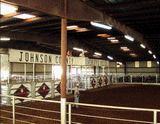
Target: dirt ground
x,y
139,96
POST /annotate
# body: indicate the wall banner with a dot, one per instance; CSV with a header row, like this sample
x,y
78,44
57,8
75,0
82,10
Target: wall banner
x,y
22,56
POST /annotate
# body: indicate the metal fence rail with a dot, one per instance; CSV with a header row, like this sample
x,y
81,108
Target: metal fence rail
x,y
70,113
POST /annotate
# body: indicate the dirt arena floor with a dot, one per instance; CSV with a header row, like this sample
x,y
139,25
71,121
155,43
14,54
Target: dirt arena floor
x,y
139,96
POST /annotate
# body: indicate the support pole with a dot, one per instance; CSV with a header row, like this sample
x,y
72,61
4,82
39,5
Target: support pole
x,y
25,72
63,65
44,72
13,109
155,117
33,71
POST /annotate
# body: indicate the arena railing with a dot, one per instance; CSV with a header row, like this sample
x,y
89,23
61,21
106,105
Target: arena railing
x,y
70,113
117,78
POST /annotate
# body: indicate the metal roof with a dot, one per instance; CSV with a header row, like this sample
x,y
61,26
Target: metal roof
x,y
43,33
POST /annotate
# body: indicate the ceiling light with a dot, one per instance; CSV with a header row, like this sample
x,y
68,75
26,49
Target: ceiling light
x,y
111,38
78,49
143,46
124,47
103,35
96,53
24,16
154,56
7,8
120,63
109,57
82,29
133,55
149,51
129,37
72,27
4,39
158,62
114,40
101,25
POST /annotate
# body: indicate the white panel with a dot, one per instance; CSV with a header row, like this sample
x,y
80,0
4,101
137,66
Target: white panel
x,y
17,67
39,68
149,64
136,64
29,67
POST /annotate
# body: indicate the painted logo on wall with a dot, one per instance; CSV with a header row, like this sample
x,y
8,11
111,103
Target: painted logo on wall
x,y
43,90
22,91
58,88
93,82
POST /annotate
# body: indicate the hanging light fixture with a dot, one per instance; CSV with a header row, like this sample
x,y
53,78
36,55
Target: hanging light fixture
x,y
129,37
143,46
149,51
24,16
101,25
96,53
109,57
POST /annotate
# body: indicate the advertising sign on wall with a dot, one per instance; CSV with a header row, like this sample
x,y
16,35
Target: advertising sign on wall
x,y
23,56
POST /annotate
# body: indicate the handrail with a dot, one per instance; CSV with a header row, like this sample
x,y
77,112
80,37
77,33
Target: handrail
x,y
113,107
35,99
89,105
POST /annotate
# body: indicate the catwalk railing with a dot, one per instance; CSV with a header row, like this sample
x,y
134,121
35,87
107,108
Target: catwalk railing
x,y
69,112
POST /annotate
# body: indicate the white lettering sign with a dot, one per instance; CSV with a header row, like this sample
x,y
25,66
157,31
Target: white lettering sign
x,y
23,56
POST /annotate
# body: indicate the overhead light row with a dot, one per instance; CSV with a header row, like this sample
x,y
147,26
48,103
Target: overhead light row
x,y
96,54
78,29
113,39
133,55
125,48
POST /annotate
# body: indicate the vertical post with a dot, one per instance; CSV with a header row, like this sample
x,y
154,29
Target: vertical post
x,y
97,70
85,78
123,78
8,99
155,117
142,78
13,109
25,72
71,79
108,69
69,117
156,78
52,88
125,68
44,72
68,80
33,71
33,89
9,74
63,65
103,70
131,78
